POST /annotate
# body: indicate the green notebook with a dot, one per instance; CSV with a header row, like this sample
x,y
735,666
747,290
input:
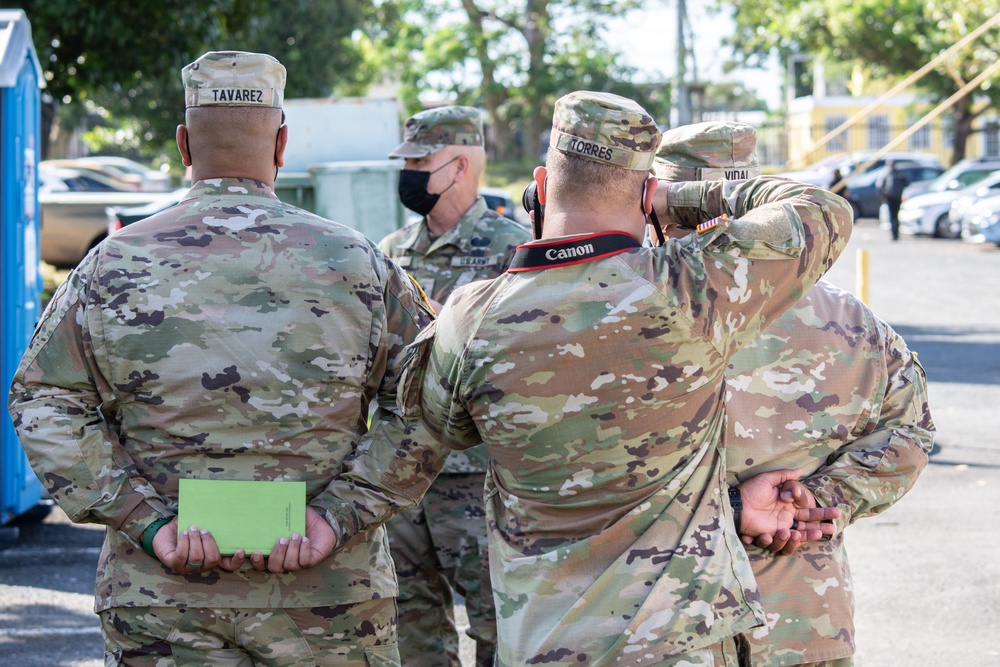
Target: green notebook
x,y
243,515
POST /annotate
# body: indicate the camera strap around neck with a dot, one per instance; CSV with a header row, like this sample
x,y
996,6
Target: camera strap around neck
x,y
575,250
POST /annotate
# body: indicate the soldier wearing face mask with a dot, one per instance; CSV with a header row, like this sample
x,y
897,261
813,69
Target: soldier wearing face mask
x,y
440,547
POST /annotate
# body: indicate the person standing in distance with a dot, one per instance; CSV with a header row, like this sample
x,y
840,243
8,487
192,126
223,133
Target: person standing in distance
x,y
440,548
231,337
593,372
828,389
890,186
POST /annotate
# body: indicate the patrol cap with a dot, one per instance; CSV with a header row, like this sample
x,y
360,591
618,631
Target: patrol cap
x,y
605,128
431,130
710,151
234,78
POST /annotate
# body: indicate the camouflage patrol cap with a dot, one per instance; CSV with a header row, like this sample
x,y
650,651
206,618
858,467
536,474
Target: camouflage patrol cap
x,y
431,130
605,128
234,78
710,151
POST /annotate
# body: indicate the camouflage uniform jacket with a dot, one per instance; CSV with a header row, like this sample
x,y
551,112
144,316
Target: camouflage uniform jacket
x,y
479,247
231,337
597,388
832,390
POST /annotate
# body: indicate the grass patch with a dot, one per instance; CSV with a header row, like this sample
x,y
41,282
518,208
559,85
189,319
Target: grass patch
x,y
52,278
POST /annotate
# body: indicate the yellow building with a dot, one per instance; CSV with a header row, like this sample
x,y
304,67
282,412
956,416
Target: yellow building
x,y
831,103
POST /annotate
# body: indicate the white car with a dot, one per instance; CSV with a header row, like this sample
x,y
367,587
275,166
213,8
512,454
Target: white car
x,y
960,175
129,174
981,222
73,203
929,213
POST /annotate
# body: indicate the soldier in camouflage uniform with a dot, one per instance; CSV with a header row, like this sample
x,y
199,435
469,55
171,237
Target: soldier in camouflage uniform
x,y
440,547
231,337
828,389
593,372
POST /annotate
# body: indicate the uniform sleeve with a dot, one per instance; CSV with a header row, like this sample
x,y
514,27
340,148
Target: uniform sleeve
x,y
431,388
871,473
65,423
743,271
397,459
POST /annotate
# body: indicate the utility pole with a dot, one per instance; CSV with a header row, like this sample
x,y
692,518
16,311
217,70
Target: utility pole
x,y
682,94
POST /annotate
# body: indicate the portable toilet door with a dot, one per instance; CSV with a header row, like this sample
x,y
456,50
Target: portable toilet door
x,y
20,280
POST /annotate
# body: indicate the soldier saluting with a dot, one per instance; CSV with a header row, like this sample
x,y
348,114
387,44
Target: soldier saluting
x,y
594,377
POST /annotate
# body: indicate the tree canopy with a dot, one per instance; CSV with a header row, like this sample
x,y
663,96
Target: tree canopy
x,y
125,56
890,38
510,58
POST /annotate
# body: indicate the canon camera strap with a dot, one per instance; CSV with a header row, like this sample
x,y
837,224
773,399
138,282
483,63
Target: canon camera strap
x,y
576,250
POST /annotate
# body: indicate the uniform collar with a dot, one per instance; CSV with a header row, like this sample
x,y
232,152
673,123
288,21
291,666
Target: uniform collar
x,y
231,186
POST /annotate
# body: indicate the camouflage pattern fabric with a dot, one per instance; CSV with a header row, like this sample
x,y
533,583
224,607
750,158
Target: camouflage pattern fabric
x,y
605,128
361,634
234,78
479,247
429,131
832,390
232,337
441,546
437,549
597,388
708,151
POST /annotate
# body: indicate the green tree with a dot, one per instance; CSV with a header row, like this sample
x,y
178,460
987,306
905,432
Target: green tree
x,y
125,56
507,57
890,38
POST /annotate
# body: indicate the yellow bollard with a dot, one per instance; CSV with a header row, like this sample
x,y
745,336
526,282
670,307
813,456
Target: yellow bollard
x,y
862,275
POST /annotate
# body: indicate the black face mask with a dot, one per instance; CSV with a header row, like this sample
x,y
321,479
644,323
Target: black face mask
x,y
413,189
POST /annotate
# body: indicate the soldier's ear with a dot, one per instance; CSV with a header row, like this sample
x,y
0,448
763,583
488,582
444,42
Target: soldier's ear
x,y
539,175
279,145
183,146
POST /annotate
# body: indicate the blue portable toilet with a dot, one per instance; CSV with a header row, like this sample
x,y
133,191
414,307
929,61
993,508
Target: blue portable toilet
x,y
20,279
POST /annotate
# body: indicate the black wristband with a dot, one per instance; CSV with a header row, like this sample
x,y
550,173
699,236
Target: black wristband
x,y
150,533
736,502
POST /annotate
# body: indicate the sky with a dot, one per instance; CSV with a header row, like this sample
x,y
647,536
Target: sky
x,y
647,38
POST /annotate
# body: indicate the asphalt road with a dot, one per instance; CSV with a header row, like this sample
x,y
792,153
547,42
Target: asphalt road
x,y
927,572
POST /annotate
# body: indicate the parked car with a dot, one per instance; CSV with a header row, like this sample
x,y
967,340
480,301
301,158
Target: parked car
x,y
970,197
130,174
862,190
960,175
928,213
819,173
123,216
500,201
981,221
73,203
850,167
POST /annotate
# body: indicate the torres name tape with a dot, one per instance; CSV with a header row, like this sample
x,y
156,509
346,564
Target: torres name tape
x,y
598,152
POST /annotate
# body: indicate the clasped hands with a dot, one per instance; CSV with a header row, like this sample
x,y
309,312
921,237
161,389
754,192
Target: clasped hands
x,y
195,550
774,502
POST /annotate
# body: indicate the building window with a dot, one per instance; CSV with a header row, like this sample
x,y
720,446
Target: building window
x,y
991,137
947,132
839,142
878,131
921,139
